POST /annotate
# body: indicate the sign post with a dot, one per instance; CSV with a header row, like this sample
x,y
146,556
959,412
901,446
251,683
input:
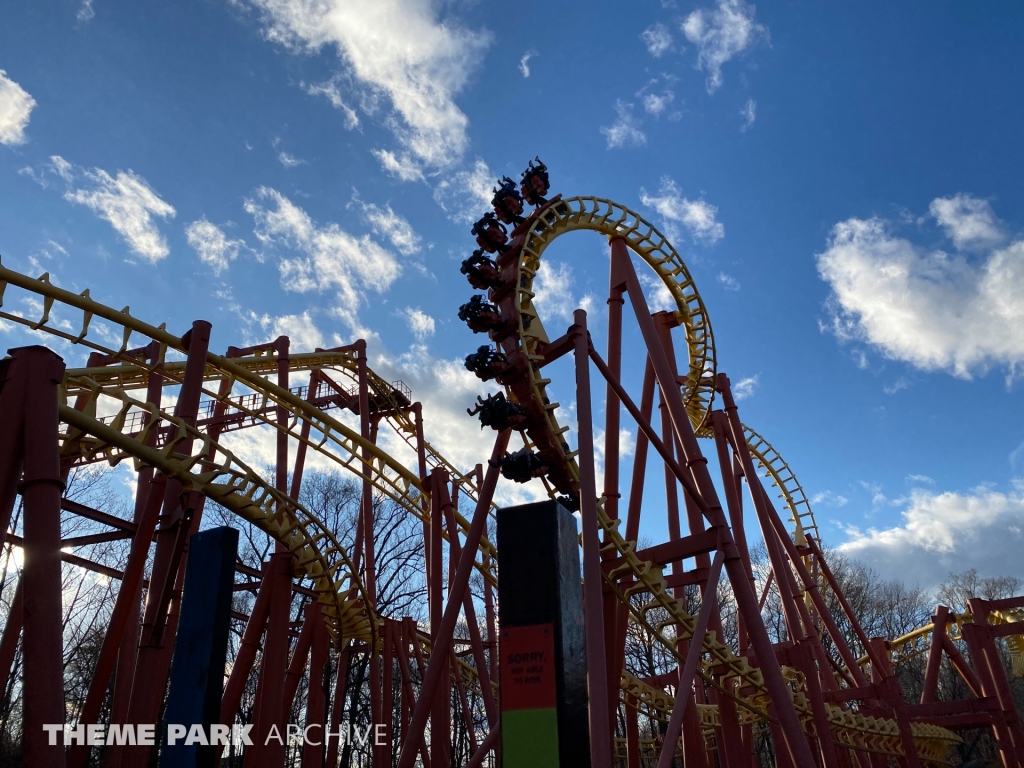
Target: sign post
x,y
543,658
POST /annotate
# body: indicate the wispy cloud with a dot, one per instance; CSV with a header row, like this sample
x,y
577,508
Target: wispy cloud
x,y
553,291
418,67
749,114
654,102
323,257
828,499
969,222
288,160
658,39
215,249
466,194
395,228
745,388
919,479
420,323
524,63
697,216
878,498
625,131
16,106
332,93
85,11
728,282
126,201
720,33
896,386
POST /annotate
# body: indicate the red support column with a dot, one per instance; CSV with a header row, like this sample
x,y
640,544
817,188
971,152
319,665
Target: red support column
x,y
746,601
387,692
297,665
593,608
269,708
126,653
247,649
439,716
991,674
366,516
931,676
36,372
688,670
439,652
476,642
338,708
316,699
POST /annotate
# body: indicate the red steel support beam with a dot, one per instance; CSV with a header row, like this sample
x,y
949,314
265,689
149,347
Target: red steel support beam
x,y
746,601
32,378
316,698
689,668
593,606
246,654
439,652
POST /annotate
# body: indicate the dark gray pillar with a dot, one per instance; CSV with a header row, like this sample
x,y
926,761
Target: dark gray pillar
x,y
540,611
200,649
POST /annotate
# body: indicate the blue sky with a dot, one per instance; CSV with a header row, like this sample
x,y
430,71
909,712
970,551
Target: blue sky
x,y
844,182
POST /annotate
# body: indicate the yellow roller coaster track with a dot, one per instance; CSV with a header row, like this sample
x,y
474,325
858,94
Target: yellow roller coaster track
x,y
234,486
916,643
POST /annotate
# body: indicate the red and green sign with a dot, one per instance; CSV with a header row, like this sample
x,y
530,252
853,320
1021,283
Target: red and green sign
x,y
529,718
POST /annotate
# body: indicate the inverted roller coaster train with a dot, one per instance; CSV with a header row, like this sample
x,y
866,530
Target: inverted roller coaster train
x,y
821,697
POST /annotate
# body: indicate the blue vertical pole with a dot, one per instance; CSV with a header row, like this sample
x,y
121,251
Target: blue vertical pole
x,y
200,649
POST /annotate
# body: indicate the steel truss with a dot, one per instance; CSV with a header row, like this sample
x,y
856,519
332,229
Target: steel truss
x,y
812,697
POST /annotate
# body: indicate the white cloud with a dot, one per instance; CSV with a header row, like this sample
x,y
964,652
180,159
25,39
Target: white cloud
x,y
212,245
85,11
749,114
878,498
655,104
1016,456
721,33
828,499
446,390
745,388
394,49
420,323
553,293
946,532
968,221
728,282
404,167
896,386
126,201
698,216
931,309
919,479
328,258
300,330
289,161
332,93
625,131
659,297
387,223
524,63
466,194
658,39
15,107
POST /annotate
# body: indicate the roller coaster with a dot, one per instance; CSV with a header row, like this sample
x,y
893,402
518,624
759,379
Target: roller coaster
x,y
162,403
